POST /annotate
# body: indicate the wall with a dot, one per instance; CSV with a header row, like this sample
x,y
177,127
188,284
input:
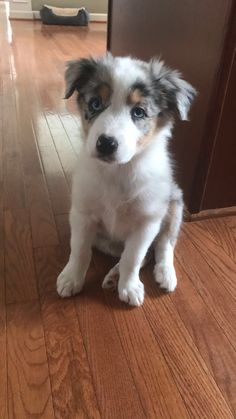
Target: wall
x,y
93,6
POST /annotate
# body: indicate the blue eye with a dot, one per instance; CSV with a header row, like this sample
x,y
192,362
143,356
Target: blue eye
x,y
95,104
138,113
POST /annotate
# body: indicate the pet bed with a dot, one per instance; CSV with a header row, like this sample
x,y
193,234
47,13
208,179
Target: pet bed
x,y
63,16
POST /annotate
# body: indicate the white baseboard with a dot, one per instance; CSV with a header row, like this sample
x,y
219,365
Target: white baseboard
x,y
98,17
34,14
21,14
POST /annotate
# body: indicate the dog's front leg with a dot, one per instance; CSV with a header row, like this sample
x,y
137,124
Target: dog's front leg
x,y
131,289
71,279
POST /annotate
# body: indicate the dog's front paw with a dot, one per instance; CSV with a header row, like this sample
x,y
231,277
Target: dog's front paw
x,y
131,292
68,283
165,276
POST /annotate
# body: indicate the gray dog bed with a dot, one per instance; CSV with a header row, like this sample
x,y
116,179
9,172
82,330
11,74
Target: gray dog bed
x,y
59,16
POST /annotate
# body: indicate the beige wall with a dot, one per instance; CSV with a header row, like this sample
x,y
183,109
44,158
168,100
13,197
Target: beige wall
x,y
93,6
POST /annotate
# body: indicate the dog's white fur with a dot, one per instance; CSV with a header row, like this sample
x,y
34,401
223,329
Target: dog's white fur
x,y
131,202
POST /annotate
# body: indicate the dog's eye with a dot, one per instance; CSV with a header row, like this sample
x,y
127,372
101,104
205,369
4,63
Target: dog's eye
x,y
138,113
95,104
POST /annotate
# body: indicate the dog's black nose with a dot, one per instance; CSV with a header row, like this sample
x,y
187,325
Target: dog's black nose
x,y
106,145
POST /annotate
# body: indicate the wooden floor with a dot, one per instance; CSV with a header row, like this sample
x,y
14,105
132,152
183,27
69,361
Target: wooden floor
x,y
92,356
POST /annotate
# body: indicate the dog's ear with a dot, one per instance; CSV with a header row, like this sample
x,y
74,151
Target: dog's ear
x,y
173,94
78,73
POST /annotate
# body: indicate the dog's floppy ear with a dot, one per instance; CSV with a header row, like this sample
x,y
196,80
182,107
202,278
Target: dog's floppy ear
x,y
173,94
78,73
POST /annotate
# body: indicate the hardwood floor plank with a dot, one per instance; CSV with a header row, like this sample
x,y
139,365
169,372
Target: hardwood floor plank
x,y
58,132
3,357
199,391
41,215
209,338
13,193
57,185
1,147
111,371
49,262
29,391
42,131
208,283
73,131
63,146
158,393
63,228
69,369
68,161
91,315
220,261
19,269
223,231
10,132
43,225
26,135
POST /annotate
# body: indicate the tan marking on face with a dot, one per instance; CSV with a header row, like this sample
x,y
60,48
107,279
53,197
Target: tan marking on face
x,y
155,126
135,97
104,92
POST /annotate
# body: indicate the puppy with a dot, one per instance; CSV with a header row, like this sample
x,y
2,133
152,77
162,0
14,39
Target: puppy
x,y
124,197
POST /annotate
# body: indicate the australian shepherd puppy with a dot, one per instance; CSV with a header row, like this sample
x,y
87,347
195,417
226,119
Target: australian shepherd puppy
x,y
124,197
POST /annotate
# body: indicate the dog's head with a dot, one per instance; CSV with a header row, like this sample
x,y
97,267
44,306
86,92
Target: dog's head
x,y
125,103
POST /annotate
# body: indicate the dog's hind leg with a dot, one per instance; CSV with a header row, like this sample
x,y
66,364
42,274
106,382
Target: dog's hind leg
x,y
164,244
111,279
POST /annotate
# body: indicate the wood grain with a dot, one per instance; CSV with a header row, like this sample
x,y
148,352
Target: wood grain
x,y
1,146
43,225
26,134
58,132
218,260
209,338
111,371
73,131
209,284
69,369
49,261
62,144
42,131
63,228
224,233
29,391
162,399
186,364
13,193
57,185
3,357
19,269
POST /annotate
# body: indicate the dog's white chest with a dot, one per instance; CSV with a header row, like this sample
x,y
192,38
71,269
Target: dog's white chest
x,y
120,215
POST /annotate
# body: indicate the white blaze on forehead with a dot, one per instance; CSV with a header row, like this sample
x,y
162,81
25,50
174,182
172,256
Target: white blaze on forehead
x,y
125,73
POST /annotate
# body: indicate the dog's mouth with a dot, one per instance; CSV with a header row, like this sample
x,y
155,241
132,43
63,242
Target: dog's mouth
x,y
106,159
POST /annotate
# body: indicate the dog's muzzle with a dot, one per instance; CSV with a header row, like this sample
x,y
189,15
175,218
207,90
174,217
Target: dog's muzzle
x,y
106,147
